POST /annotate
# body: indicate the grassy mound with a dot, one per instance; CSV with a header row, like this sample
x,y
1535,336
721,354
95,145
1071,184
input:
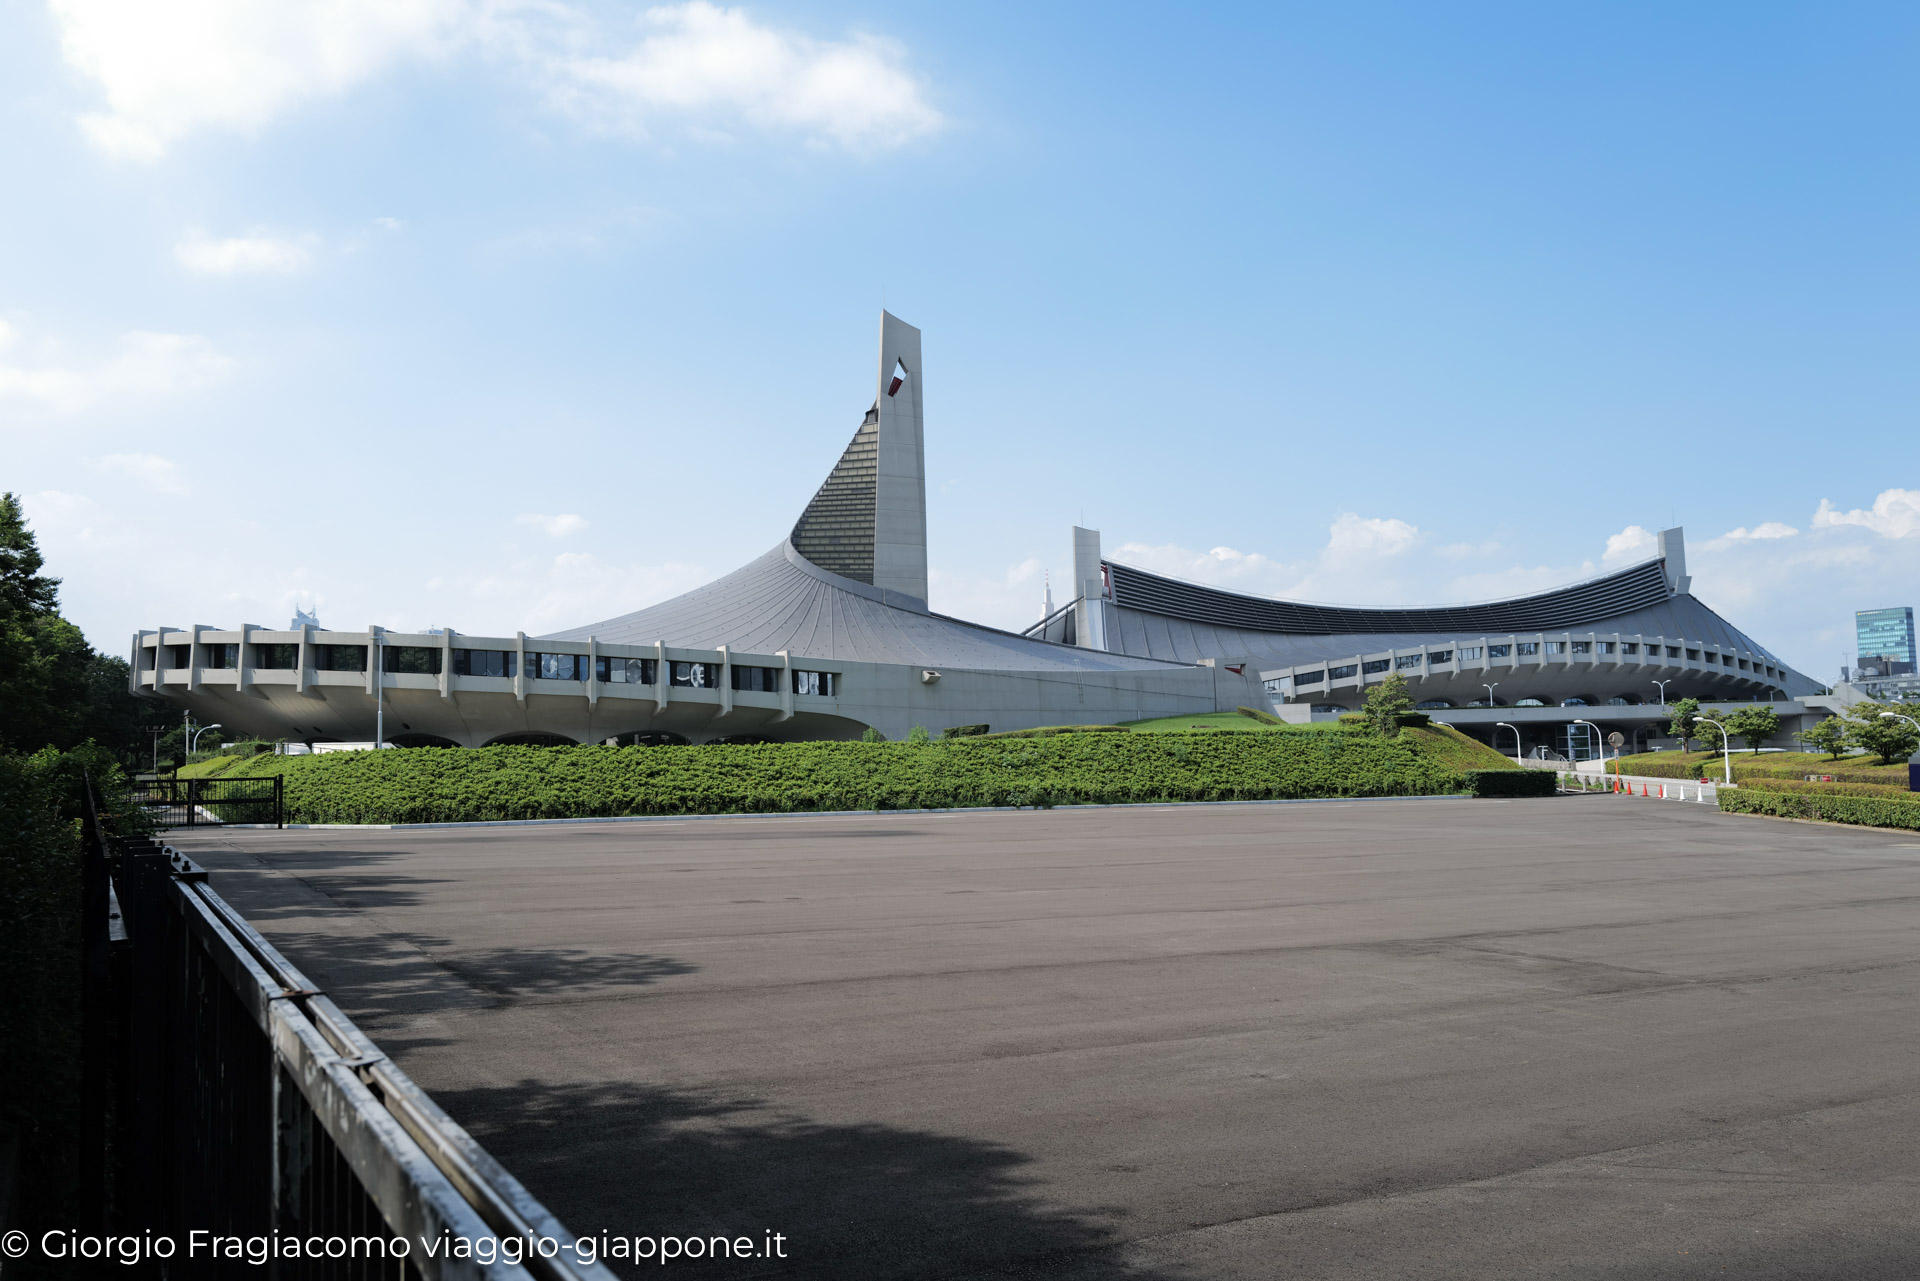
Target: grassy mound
x,y
450,785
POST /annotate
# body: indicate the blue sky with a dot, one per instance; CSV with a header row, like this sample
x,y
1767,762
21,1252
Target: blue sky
x,y
502,314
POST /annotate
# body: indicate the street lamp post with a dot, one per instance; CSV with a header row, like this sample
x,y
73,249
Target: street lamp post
x,y
1726,745
1600,740
1489,688
193,738
1518,746
1663,689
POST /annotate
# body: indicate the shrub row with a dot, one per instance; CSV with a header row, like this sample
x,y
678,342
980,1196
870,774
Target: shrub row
x,y
1866,811
1828,789
1682,767
454,784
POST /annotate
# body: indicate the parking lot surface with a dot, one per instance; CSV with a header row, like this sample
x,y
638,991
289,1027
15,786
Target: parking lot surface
x,y
1582,1037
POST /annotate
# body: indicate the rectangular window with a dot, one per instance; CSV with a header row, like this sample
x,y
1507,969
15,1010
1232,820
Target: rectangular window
x,y
1556,647
1469,653
340,658
222,656
624,671
1527,648
1273,686
557,667
1743,664
826,684
1375,665
1692,654
1583,647
1606,647
1404,661
1440,656
1499,651
179,657
757,680
1629,647
1308,678
696,675
420,660
276,658
485,662
1341,673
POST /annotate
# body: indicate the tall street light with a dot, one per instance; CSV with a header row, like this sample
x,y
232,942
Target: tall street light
x,y
1663,688
1489,688
1726,745
1517,746
1599,739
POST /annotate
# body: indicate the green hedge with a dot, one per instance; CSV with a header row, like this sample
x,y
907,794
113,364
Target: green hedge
x,y
1512,782
1797,765
418,785
1828,789
1866,811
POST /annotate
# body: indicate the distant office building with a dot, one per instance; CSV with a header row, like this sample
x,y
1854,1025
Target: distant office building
x,y
1885,642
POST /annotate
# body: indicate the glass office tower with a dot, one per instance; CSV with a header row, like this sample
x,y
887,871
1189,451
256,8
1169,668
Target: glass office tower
x,y
1884,639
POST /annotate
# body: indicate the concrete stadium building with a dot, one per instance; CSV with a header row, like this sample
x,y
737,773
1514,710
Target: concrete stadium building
x,y
825,635
1558,669
830,632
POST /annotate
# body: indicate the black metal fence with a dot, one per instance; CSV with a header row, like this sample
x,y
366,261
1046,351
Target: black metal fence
x,y
195,802
234,1099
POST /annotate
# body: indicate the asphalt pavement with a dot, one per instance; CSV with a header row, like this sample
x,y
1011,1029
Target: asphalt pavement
x,y
1578,1037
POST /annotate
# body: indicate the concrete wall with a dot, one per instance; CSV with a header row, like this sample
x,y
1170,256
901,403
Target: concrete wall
x,y
305,703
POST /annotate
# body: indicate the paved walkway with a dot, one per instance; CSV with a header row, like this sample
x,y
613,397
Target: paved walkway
x,y
1555,1038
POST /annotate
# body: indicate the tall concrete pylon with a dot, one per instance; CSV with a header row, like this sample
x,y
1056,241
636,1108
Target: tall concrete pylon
x,y
868,522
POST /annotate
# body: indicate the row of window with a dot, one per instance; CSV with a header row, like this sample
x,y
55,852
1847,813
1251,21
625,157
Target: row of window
x,y
1523,649
425,660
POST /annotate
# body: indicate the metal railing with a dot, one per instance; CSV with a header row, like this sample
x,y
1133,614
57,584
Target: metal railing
x,y
238,1100
195,802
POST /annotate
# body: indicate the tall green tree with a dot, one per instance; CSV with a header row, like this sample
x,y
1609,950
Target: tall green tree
x,y
54,689
1684,719
1829,736
1754,724
1890,737
1386,703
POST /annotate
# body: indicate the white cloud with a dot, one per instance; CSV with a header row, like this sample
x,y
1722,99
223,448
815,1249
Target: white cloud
x,y
144,362
160,475
1354,538
719,68
1634,543
1895,514
553,526
1764,531
237,254
167,71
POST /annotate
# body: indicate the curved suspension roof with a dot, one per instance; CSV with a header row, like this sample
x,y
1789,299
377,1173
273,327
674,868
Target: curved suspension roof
x,y
1577,606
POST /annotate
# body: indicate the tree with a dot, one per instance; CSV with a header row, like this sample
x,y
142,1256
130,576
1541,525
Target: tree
x,y
1386,703
1830,736
1685,719
1756,723
1887,737
54,689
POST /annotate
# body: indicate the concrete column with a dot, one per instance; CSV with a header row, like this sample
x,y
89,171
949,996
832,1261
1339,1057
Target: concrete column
x,y
373,661
520,667
786,686
193,657
662,678
593,672
133,665
446,664
726,681
241,668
